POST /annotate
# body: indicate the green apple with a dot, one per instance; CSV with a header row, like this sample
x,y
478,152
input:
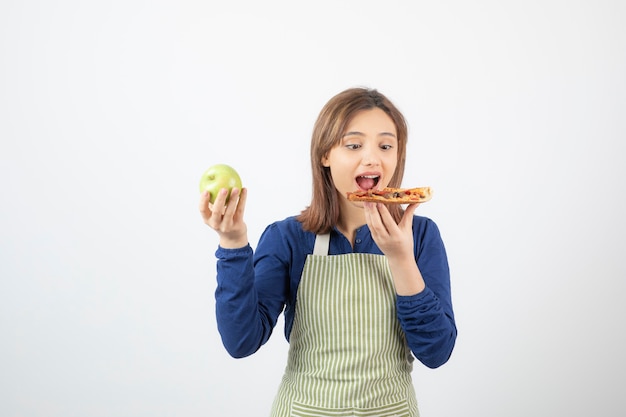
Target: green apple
x,y
217,177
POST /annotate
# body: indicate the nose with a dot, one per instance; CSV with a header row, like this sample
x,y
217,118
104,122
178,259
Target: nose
x,y
370,157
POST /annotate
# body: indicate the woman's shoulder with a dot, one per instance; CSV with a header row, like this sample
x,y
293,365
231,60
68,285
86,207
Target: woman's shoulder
x,y
290,223
285,239
421,220
423,225
289,229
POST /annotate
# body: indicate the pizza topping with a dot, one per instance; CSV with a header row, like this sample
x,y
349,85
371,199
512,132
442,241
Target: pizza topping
x,y
392,195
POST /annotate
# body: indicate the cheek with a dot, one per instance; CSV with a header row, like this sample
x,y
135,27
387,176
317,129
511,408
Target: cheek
x,y
391,162
341,176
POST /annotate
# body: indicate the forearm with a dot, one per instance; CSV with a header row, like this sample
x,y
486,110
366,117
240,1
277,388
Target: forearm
x,y
406,275
240,319
429,327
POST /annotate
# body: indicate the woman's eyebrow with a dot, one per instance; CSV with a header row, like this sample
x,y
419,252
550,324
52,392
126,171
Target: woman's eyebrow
x,y
356,133
353,134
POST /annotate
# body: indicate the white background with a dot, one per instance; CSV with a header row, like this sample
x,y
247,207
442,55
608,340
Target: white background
x,y
111,110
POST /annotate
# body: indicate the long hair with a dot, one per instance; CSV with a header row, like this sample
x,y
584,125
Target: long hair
x,y
323,212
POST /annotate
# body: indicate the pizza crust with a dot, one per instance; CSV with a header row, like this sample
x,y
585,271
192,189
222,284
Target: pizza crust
x,y
393,195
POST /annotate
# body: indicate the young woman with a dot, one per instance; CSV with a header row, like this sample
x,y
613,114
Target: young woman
x,y
364,287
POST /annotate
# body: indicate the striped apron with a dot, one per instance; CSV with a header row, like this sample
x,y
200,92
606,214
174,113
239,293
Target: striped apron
x,y
347,354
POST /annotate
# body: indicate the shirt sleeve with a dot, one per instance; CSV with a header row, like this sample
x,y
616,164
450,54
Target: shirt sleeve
x,y
248,302
428,318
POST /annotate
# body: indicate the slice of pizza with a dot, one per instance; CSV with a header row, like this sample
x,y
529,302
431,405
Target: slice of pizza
x,y
393,195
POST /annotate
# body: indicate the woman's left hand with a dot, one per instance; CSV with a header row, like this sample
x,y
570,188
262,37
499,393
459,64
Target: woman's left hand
x,y
395,240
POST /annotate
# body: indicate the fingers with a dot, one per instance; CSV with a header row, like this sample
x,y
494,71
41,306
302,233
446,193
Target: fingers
x,y
241,203
222,214
408,215
219,205
378,217
236,203
205,209
394,240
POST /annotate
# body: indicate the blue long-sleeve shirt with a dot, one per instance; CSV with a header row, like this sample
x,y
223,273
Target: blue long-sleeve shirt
x,y
253,288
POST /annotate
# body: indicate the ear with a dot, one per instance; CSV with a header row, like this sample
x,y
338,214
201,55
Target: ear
x,y
325,161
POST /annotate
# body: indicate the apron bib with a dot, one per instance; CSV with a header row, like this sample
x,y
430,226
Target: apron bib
x,y
347,352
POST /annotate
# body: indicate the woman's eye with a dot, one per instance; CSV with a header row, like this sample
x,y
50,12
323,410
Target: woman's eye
x,y
386,147
353,146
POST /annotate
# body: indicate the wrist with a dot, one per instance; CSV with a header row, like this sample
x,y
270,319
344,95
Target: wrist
x,y
230,243
407,277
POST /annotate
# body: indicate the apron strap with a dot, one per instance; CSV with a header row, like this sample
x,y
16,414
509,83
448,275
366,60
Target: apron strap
x,y
322,243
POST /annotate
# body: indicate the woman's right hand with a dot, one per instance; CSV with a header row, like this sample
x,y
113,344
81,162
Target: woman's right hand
x,y
226,219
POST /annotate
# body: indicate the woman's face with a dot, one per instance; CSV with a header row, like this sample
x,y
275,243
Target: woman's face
x,y
367,155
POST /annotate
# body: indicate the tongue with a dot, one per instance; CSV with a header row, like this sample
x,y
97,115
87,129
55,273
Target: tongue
x,y
365,183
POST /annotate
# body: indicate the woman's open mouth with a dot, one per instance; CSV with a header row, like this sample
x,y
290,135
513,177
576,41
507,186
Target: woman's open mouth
x,y
367,182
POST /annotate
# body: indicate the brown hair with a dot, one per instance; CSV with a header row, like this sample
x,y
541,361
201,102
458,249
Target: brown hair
x,y
323,213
